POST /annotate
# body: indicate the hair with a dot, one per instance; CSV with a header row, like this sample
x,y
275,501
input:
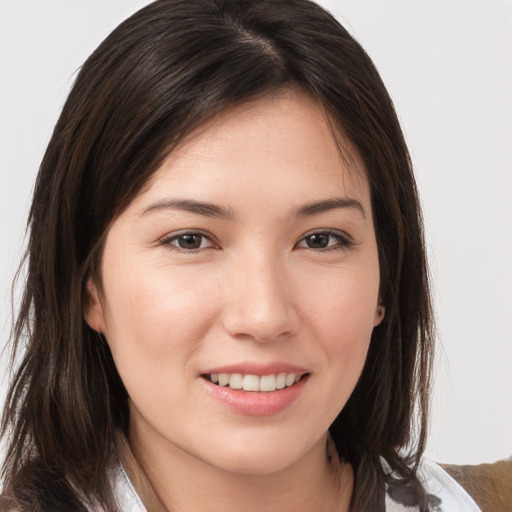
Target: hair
x,y
156,77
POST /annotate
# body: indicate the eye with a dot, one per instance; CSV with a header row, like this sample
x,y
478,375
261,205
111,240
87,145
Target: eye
x,y
325,240
188,242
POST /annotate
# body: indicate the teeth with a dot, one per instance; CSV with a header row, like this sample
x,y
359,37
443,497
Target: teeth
x,y
266,383
235,381
251,383
290,379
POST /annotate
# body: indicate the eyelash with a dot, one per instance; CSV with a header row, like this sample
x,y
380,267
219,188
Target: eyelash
x,y
168,242
343,241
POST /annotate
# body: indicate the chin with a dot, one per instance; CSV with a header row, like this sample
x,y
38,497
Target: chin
x,y
257,465
258,457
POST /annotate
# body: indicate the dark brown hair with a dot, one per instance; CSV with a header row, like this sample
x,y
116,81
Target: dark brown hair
x,y
155,78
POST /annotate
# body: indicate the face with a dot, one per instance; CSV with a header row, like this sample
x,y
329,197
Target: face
x,y
240,288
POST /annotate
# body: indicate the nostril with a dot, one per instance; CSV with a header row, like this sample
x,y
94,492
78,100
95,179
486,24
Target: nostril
x,y
260,309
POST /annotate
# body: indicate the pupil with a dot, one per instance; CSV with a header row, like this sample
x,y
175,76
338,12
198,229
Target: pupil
x,y
190,241
318,241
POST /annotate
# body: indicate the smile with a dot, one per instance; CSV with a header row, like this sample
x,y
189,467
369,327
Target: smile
x,y
260,390
265,383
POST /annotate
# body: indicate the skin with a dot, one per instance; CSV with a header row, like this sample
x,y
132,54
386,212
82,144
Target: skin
x,y
257,288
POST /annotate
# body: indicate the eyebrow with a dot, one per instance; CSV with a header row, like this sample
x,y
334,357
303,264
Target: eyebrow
x,y
329,204
190,205
213,210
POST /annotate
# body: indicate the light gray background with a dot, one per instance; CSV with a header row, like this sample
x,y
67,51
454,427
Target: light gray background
x,y
448,67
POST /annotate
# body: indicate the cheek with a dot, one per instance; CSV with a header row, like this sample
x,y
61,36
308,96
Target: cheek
x,y
346,303
340,316
154,328
155,316
341,310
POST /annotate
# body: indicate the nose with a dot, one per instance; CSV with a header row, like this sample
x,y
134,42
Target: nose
x,y
259,301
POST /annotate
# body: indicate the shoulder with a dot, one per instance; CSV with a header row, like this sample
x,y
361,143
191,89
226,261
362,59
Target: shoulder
x,y
445,493
490,485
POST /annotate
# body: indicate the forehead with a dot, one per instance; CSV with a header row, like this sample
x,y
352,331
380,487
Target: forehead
x,y
286,140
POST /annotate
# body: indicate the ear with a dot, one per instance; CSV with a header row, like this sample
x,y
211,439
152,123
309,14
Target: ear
x,y
380,313
94,314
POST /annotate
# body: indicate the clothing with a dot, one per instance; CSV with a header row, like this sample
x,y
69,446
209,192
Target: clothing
x,y
127,498
447,494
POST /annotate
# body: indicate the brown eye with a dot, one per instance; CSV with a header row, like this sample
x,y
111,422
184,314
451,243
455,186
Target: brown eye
x,y
318,240
325,240
188,242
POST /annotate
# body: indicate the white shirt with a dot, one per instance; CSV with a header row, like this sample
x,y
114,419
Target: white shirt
x,y
451,496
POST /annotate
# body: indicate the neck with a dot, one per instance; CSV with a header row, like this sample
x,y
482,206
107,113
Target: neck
x,y
170,480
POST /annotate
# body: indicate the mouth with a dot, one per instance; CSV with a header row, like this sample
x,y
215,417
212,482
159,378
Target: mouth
x,y
249,382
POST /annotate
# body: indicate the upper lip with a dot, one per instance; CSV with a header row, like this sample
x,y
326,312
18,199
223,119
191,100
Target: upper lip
x,y
252,368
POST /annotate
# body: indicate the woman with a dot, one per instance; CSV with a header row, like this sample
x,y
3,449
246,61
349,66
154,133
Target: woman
x,y
227,302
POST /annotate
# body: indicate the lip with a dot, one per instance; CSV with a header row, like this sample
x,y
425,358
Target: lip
x,y
256,403
251,368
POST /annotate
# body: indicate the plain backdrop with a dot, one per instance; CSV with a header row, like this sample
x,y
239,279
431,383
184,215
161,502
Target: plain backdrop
x,y
448,67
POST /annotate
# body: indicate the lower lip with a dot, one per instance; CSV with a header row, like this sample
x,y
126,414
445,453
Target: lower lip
x,y
257,403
